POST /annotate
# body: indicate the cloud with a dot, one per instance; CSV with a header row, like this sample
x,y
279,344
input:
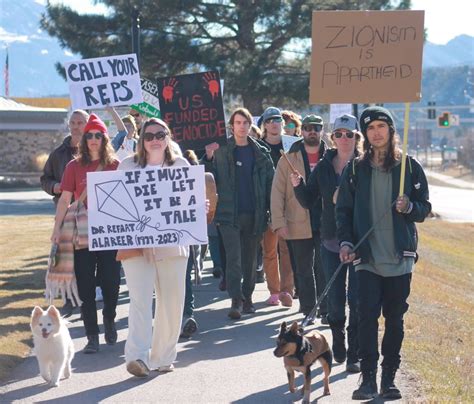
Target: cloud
x,y
9,37
44,51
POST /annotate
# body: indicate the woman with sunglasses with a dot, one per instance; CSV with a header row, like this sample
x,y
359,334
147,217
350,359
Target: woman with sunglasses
x,y
95,154
151,344
292,123
323,182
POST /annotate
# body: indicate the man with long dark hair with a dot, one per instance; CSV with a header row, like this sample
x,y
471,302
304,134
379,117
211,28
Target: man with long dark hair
x,y
368,196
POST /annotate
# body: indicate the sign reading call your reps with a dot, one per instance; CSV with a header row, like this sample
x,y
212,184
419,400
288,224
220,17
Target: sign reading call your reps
x,y
96,83
151,207
366,56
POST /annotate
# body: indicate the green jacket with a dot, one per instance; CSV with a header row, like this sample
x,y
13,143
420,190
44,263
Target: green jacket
x,y
223,168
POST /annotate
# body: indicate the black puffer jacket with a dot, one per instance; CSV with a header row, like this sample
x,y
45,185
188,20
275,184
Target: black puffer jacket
x,y
322,184
353,216
54,168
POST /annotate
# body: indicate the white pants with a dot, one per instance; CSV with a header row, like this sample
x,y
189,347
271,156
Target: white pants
x,y
155,346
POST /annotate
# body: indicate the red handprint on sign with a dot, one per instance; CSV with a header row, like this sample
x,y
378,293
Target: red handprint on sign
x,y
212,84
168,90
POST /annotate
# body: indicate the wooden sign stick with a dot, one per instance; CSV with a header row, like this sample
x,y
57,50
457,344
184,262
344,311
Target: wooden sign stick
x,y
283,154
404,152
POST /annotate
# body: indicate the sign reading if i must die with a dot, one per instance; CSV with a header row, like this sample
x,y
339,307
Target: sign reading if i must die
x,y
366,56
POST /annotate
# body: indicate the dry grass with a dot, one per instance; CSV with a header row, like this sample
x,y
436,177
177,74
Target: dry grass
x,y
24,243
438,343
438,346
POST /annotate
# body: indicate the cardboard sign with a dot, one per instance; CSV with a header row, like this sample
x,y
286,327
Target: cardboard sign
x,y
366,56
151,104
191,105
152,207
287,141
113,80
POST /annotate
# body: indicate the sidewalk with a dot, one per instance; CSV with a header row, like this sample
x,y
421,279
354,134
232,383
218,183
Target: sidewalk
x,y
449,180
226,361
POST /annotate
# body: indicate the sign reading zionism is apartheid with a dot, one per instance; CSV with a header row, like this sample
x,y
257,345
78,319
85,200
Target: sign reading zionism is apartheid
x,y
150,106
191,105
98,82
143,208
366,56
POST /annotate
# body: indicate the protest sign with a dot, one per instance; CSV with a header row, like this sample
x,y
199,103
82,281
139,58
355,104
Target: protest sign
x,y
287,141
366,56
152,207
98,82
151,104
191,105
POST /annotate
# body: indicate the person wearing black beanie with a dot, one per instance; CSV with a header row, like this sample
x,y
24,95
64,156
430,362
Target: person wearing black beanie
x,y
368,196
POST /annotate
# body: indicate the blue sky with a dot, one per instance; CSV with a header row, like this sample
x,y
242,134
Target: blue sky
x,y
444,19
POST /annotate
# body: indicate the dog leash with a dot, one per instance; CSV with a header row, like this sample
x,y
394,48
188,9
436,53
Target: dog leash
x,y
312,314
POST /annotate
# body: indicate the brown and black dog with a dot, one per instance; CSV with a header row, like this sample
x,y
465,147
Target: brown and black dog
x,y
299,352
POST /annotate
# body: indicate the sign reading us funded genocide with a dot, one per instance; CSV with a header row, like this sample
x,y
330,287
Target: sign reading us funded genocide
x,y
366,56
151,207
191,105
98,82
151,103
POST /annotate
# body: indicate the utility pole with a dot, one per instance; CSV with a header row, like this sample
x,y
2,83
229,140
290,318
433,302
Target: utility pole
x,y
136,33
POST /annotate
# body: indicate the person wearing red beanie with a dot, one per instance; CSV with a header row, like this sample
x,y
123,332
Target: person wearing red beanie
x,y
95,123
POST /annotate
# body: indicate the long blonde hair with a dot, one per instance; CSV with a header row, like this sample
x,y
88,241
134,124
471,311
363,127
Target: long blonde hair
x,y
140,156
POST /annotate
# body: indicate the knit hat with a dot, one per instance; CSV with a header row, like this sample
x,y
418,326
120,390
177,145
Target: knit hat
x,y
313,120
374,114
95,123
346,121
271,112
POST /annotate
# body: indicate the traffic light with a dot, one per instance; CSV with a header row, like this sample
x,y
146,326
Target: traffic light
x,y
432,110
444,121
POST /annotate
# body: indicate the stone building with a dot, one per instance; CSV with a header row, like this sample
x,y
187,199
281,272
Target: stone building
x,y
27,135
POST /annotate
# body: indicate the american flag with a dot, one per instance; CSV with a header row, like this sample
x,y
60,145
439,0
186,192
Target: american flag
x,y
6,78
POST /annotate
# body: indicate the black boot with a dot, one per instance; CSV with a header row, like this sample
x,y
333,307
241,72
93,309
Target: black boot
x,y
368,388
338,341
92,345
110,332
352,364
235,309
387,385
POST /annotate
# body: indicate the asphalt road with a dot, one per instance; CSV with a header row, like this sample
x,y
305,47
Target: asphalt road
x,y
226,361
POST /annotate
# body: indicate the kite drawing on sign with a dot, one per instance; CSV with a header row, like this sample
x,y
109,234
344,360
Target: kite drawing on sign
x,y
114,200
212,83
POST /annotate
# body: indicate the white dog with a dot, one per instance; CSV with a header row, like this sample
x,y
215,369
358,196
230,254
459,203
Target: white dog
x,y
53,344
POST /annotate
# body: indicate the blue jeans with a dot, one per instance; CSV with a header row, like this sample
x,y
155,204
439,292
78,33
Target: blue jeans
x,y
344,287
389,295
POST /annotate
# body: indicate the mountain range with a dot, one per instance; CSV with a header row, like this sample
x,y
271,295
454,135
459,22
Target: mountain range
x,y
33,53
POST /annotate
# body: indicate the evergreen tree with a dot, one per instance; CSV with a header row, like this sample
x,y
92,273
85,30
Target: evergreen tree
x,y
260,47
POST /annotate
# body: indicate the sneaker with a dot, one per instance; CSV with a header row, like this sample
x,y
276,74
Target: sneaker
x,y
189,327
387,385
92,345
138,368
286,299
235,309
260,277
273,300
248,307
166,368
98,294
110,332
217,272
67,309
368,388
353,367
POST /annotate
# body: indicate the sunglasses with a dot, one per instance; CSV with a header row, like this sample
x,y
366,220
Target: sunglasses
x,y
290,125
349,135
98,135
274,120
313,127
148,136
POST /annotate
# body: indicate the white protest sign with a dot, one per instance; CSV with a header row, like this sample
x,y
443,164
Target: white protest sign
x,y
152,207
151,104
287,141
112,80
336,110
